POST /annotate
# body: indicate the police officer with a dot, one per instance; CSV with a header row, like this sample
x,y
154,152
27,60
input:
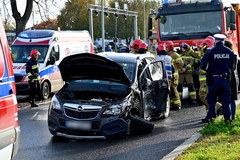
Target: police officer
x,y
206,45
33,76
162,54
219,63
178,66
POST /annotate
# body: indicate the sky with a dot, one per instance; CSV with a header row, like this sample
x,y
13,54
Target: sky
x,y
54,9
21,4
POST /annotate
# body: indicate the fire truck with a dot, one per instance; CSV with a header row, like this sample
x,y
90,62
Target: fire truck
x,y
9,128
193,20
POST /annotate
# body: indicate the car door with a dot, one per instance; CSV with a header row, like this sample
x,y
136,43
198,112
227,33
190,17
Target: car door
x,y
155,87
53,70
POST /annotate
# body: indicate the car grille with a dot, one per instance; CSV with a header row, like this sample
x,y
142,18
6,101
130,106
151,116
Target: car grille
x,y
80,115
87,111
18,78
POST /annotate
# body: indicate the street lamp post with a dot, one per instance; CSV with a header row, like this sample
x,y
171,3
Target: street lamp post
x,y
103,34
144,22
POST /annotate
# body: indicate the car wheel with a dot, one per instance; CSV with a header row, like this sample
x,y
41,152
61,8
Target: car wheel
x,y
139,124
45,91
167,110
54,133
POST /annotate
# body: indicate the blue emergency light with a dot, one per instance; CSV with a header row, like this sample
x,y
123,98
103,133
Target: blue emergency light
x,y
33,34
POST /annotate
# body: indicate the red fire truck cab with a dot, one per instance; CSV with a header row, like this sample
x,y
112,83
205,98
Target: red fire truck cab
x,y
193,21
9,129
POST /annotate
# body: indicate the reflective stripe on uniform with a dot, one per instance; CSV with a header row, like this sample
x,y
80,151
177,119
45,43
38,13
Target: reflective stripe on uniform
x,y
175,82
203,89
187,57
34,66
36,79
175,73
177,60
192,93
202,79
177,102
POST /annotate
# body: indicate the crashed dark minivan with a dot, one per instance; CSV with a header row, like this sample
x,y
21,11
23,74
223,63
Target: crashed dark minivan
x,y
109,94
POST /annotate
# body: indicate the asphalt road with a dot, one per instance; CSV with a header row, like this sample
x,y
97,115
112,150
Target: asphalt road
x,y
37,143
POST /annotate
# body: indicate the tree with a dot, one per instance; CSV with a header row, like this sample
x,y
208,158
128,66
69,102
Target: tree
x,y
21,21
49,24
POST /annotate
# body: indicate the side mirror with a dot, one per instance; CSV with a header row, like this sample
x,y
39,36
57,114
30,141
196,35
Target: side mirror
x,y
163,19
232,27
51,60
55,48
149,34
150,23
232,16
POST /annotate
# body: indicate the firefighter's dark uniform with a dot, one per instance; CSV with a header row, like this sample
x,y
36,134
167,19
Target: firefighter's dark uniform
x,y
33,74
218,62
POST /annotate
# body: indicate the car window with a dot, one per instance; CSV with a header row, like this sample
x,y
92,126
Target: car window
x,y
156,71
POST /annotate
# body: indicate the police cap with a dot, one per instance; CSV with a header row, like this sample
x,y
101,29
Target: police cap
x,y
219,37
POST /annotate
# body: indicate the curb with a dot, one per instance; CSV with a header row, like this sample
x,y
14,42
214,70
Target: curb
x,y
185,145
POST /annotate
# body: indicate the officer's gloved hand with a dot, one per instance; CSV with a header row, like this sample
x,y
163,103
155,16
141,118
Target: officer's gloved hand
x,y
188,67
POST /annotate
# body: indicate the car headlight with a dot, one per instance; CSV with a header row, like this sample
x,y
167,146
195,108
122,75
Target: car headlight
x,y
113,110
55,103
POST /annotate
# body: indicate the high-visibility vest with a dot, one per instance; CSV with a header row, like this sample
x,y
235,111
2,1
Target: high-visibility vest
x,y
168,64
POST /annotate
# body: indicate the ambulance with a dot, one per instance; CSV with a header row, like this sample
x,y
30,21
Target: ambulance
x,y
9,128
53,47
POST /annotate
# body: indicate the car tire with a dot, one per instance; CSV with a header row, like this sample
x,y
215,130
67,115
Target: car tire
x,y
54,133
45,90
139,124
167,110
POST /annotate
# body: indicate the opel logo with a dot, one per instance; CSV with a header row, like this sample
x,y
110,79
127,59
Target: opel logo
x,y
80,109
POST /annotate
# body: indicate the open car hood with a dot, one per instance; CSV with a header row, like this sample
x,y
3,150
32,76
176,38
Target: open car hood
x,y
91,66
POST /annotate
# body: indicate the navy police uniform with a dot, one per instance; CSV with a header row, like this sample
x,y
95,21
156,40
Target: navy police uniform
x,y
218,62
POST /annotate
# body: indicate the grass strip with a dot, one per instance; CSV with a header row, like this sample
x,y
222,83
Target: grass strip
x,y
220,141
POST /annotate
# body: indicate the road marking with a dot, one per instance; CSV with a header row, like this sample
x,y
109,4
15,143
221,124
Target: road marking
x,y
37,117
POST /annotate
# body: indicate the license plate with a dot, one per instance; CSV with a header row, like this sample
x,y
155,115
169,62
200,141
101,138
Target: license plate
x,y
79,125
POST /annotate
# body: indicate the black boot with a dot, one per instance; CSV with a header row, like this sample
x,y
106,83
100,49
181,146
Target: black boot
x,y
33,104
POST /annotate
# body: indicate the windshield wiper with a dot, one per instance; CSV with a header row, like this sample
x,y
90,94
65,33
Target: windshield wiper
x,y
176,34
206,32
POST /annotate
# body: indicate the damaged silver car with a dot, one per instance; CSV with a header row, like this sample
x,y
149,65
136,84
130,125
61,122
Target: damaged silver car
x,y
109,95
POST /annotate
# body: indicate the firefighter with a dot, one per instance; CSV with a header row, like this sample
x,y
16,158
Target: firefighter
x,y
186,74
33,76
206,45
143,48
178,66
219,63
135,45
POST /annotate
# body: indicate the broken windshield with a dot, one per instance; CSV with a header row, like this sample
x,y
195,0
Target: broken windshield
x,y
185,24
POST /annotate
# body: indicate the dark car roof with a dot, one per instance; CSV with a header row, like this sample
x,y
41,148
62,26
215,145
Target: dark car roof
x,y
125,57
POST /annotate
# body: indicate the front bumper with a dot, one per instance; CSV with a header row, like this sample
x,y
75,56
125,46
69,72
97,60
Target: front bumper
x,y
107,127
